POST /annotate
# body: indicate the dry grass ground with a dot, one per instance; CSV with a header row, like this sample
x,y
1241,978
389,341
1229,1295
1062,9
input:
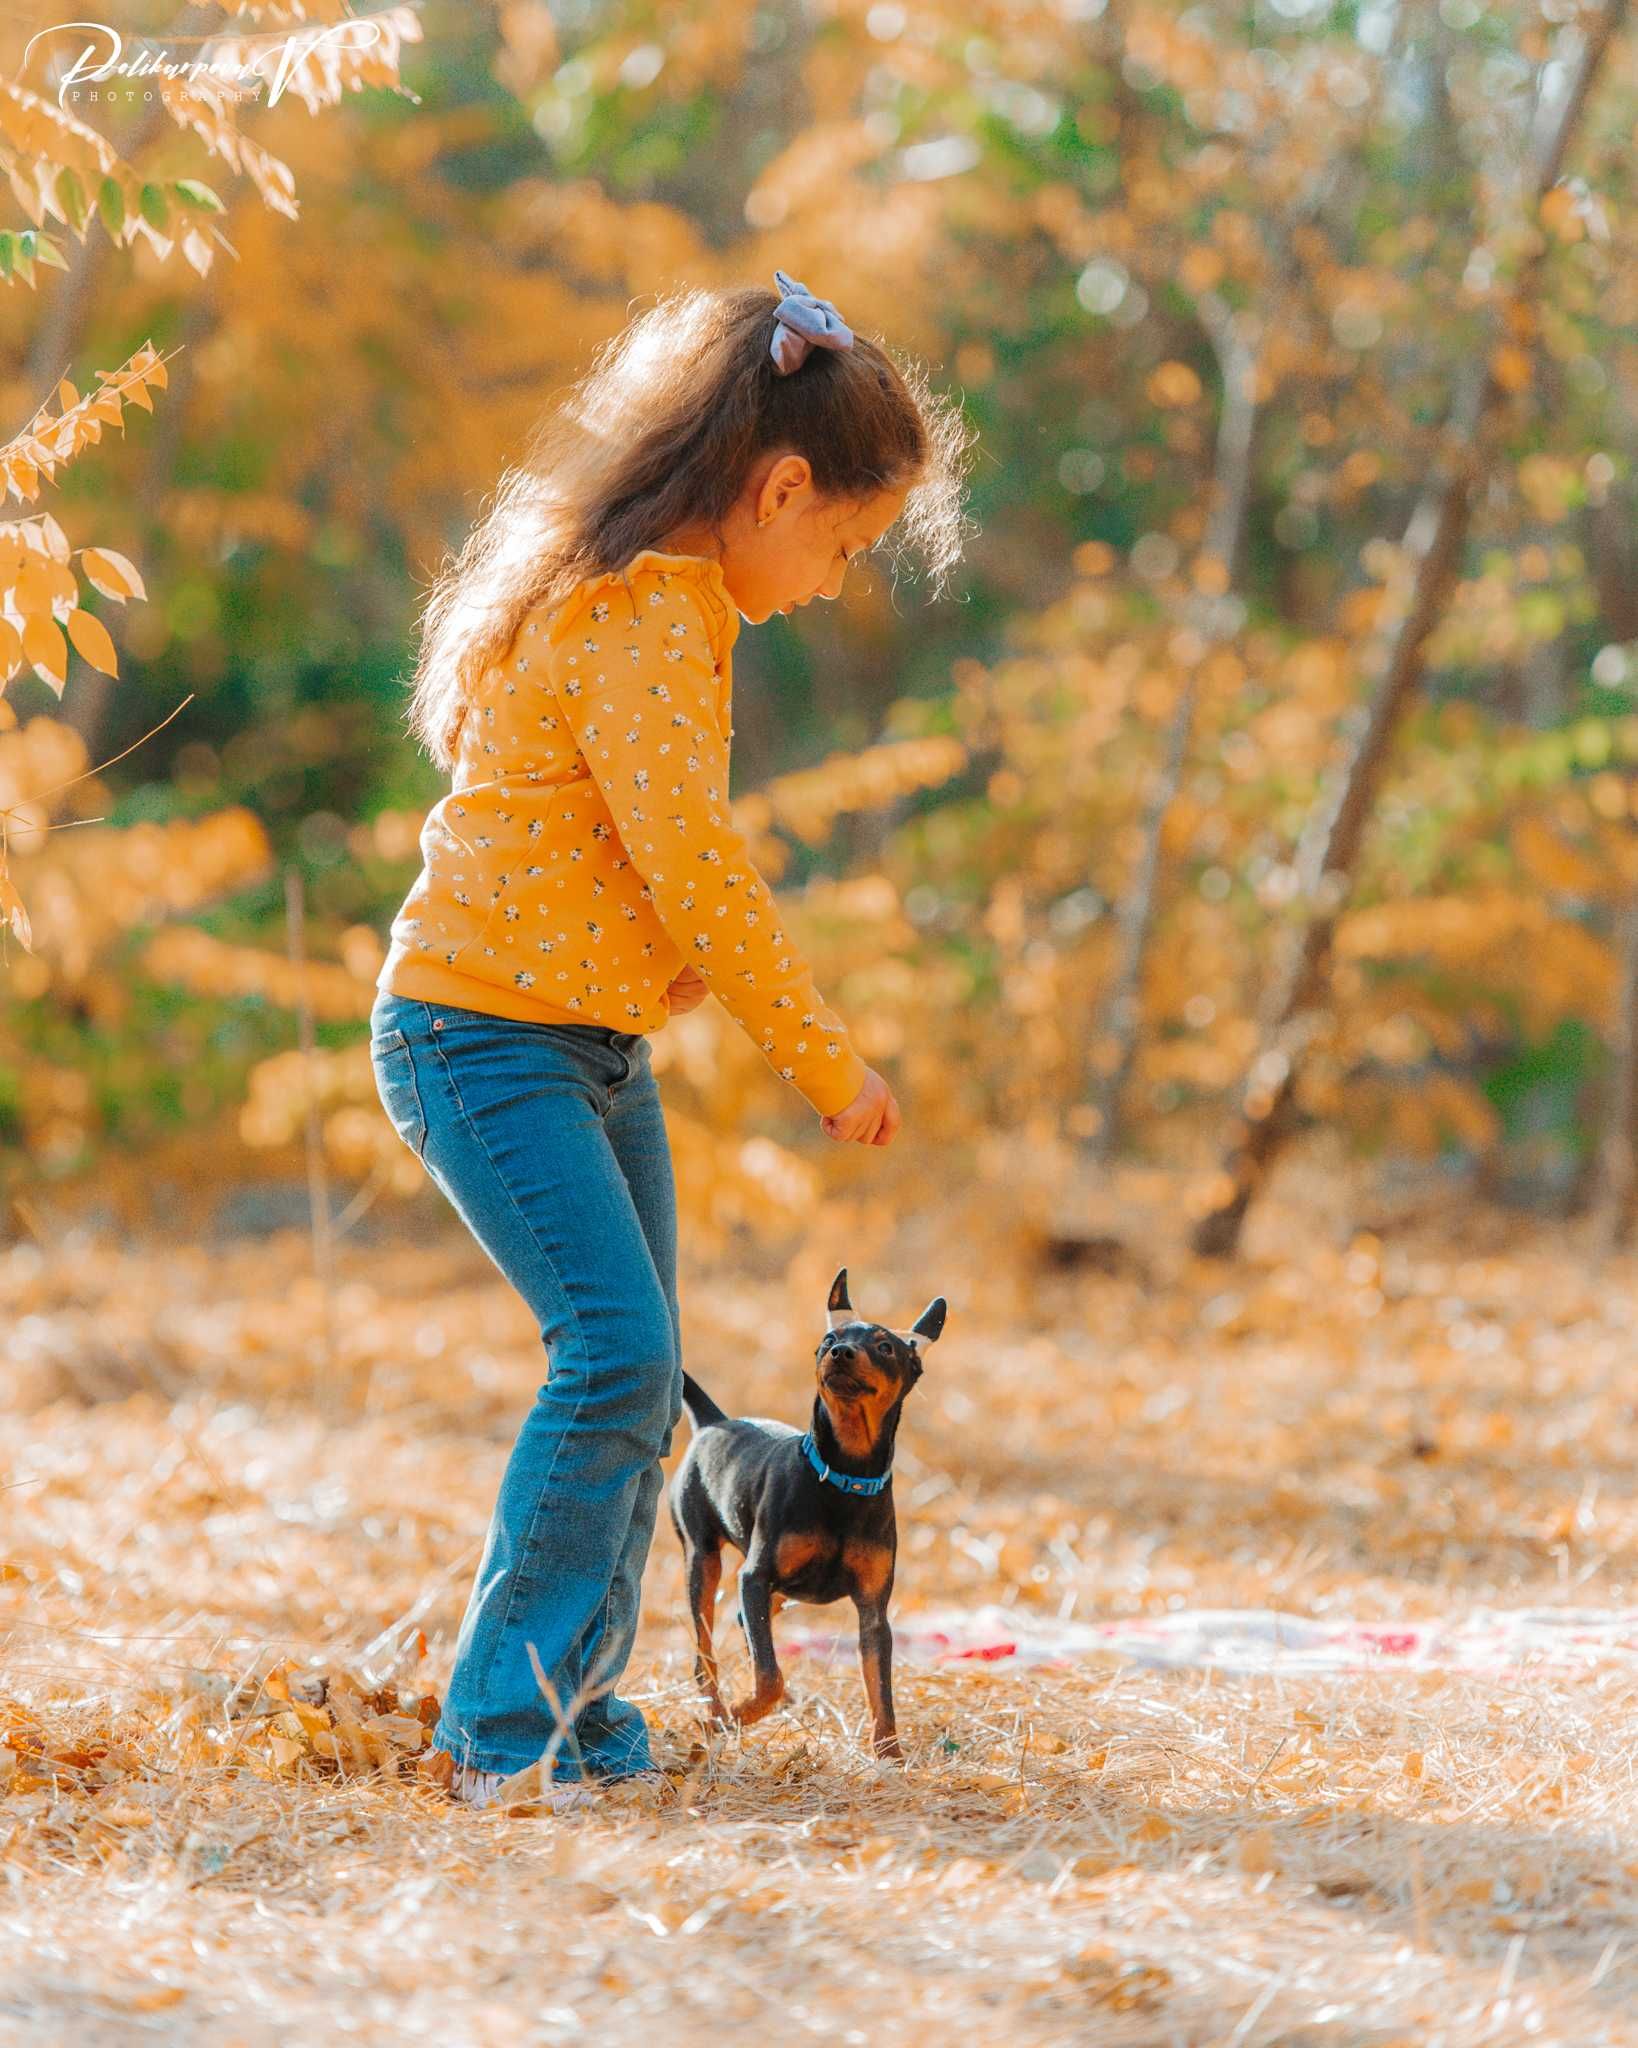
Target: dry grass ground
x,y
1105,1853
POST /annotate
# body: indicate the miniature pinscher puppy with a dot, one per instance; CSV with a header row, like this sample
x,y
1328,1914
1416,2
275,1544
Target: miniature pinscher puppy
x,y
812,1515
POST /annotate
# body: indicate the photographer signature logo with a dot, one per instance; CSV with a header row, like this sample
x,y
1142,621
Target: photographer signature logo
x,y
244,65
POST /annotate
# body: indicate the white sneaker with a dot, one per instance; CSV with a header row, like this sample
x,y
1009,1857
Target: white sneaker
x,y
473,1787
517,1788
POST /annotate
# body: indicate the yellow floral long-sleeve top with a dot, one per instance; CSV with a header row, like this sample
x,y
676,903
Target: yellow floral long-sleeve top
x,y
585,854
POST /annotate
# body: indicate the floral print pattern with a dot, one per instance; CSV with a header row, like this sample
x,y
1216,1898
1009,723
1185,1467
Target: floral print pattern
x,y
590,803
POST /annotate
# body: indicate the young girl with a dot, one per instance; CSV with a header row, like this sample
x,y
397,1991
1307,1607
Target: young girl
x,y
726,456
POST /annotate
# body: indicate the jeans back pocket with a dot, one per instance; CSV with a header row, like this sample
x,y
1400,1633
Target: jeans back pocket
x,y
400,1092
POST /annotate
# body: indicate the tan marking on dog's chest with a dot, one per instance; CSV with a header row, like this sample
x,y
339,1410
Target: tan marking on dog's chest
x,y
869,1564
796,1550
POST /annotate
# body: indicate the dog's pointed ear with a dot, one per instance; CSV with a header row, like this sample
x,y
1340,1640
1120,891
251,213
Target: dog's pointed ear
x,y
840,1309
926,1328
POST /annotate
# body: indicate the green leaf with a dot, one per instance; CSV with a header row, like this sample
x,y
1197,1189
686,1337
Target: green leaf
x,y
8,243
192,193
25,256
155,207
71,197
111,205
47,251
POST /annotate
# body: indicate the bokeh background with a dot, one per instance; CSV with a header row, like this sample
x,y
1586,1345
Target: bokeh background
x,y
1239,303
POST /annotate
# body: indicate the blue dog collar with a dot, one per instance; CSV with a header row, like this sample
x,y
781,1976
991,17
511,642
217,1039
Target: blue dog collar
x,y
843,1481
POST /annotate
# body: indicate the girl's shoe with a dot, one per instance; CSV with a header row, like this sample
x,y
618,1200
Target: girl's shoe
x,y
473,1787
469,1786
518,1788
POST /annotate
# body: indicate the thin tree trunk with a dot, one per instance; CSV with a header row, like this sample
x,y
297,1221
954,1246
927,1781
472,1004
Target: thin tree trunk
x,y
1620,1160
1608,530
1330,851
318,1178
88,708
1120,1028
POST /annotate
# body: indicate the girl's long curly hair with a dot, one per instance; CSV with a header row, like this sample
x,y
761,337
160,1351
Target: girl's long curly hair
x,y
663,432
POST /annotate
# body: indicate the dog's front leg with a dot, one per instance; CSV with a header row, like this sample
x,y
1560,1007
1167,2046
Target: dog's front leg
x,y
876,1661
755,1613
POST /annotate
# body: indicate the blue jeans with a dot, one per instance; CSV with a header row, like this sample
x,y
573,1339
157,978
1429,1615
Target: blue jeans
x,y
548,1141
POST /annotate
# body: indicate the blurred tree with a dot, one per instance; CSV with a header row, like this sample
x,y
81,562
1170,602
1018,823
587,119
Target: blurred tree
x,y
62,169
1431,554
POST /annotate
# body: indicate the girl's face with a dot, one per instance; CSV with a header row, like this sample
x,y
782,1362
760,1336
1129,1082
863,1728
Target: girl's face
x,y
785,545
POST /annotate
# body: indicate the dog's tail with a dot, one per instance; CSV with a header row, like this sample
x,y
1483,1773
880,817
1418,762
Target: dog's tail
x,y
700,1405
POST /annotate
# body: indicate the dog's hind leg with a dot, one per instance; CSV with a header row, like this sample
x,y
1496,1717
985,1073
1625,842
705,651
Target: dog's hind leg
x,y
704,1577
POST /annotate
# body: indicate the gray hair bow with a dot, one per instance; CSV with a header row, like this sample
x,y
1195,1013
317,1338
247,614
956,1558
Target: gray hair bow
x,y
800,322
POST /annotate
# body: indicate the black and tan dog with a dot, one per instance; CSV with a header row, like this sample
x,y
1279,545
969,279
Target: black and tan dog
x,y
812,1515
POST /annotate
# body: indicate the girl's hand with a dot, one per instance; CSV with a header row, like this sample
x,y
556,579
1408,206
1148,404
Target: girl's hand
x,y
687,991
871,1118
